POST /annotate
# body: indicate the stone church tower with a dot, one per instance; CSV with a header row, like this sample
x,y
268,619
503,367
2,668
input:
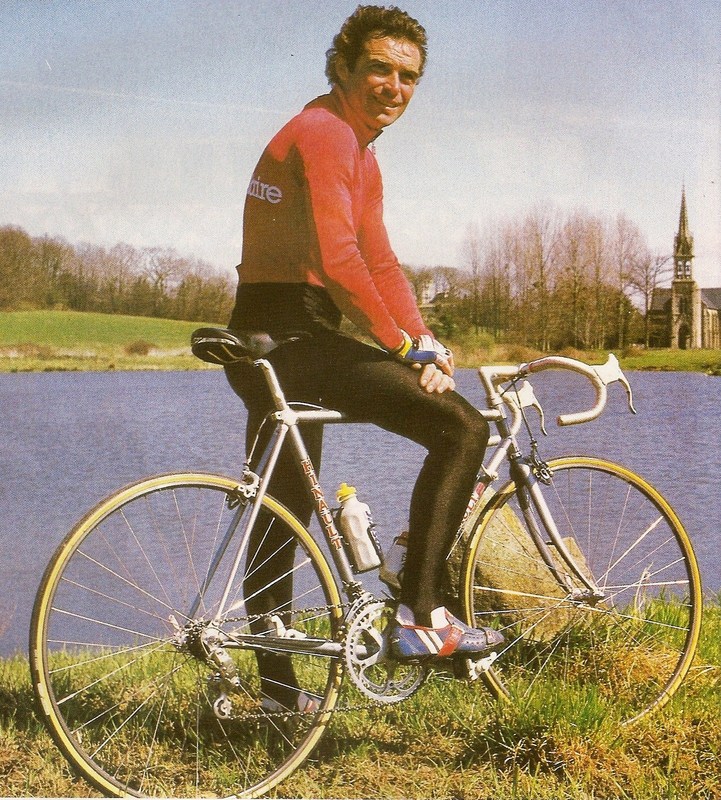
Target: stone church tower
x,y
685,316
685,293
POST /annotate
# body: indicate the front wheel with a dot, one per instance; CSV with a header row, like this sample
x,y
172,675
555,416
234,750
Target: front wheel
x,y
624,649
144,685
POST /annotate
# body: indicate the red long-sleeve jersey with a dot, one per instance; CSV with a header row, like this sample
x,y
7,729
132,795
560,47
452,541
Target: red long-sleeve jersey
x,y
314,217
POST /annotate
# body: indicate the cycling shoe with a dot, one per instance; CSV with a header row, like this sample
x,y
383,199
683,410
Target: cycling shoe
x,y
448,637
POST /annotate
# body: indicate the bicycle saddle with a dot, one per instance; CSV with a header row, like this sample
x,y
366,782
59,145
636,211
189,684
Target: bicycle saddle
x,y
224,346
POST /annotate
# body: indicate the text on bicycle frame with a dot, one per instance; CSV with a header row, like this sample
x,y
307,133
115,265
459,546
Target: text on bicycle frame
x,y
324,511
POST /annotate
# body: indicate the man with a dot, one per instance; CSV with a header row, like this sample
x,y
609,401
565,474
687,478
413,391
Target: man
x,y
314,249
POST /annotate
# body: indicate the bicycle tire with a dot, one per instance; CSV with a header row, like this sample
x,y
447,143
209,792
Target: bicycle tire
x,y
122,675
625,655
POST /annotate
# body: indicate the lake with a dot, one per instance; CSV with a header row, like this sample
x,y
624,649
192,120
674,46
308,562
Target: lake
x,y
69,439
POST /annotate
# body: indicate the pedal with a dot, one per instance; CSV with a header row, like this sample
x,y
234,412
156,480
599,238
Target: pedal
x,y
471,669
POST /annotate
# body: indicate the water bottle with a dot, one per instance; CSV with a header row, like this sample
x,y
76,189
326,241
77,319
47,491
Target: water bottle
x,y
391,572
356,525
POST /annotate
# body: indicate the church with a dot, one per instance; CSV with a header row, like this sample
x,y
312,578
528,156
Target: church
x,y
685,316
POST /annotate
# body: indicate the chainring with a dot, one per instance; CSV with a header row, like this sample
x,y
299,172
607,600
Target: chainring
x,y
371,670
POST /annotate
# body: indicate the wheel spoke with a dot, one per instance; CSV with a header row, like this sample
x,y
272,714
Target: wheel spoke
x,y
628,648
146,699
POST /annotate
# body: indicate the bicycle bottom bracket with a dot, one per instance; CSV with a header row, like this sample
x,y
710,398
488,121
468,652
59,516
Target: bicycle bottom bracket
x,y
371,669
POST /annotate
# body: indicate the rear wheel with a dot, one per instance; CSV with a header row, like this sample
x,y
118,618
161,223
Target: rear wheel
x,y
625,651
146,694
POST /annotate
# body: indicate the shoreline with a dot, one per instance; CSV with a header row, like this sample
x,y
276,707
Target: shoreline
x,y
73,341
706,362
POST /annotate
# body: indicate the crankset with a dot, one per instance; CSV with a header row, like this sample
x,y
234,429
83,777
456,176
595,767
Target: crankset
x,y
371,669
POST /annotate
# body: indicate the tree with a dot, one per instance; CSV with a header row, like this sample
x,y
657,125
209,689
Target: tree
x,y
572,285
122,264
419,278
651,269
163,268
471,250
16,259
628,250
46,272
495,288
53,257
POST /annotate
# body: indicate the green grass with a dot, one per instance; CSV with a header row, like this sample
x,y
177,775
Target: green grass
x,y
45,341
451,742
708,361
73,329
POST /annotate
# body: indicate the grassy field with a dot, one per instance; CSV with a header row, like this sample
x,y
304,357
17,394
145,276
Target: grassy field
x,y
46,341
450,742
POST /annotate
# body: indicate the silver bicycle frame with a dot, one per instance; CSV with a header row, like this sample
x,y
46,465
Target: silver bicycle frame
x,y
287,420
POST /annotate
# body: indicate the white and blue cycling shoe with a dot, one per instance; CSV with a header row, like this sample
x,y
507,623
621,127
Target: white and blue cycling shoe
x,y
446,637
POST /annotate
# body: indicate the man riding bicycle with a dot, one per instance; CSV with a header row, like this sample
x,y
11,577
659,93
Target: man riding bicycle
x,y
315,249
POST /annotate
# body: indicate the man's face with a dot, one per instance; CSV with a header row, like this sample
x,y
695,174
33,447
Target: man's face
x,y
383,80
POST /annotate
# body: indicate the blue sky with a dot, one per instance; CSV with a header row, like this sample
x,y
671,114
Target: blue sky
x,y
141,122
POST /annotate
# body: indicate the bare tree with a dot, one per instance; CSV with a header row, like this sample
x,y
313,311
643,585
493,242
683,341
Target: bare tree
x,y
163,268
536,243
53,256
471,251
495,291
48,272
650,270
572,284
628,250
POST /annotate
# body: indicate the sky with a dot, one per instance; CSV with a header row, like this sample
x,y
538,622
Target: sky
x,y
141,121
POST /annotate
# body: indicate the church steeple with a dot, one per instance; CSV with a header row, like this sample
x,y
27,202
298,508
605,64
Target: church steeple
x,y
683,243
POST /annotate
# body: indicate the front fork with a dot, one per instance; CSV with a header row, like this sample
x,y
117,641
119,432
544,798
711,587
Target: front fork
x,y
530,496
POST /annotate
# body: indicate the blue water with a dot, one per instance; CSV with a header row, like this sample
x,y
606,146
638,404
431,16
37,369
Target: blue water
x,y
69,439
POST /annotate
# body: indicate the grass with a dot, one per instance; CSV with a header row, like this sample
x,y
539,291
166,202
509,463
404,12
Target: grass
x,y
46,341
708,361
450,742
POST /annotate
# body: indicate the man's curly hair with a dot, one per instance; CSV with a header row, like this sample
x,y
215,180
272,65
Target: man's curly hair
x,y
372,22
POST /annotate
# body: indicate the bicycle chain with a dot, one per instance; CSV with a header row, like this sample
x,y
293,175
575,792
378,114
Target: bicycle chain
x,y
369,704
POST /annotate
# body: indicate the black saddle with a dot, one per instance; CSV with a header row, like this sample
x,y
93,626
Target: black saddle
x,y
224,346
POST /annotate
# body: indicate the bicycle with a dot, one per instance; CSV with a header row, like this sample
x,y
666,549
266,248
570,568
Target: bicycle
x,y
143,638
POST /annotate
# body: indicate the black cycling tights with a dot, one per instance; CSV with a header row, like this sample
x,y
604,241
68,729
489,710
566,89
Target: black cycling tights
x,y
369,386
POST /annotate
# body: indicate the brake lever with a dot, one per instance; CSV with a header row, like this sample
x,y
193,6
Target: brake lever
x,y
525,397
611,372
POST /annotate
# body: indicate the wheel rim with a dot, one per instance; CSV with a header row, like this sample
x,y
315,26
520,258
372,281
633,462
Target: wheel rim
x,y
127,680
624,655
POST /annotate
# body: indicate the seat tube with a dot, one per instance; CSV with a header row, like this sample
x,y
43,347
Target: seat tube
x,y
273,453
279,401
322,510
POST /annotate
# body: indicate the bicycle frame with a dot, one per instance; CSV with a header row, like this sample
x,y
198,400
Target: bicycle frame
x,y
287,421
193,594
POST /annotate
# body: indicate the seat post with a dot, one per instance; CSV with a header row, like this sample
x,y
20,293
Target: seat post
x,y
281,404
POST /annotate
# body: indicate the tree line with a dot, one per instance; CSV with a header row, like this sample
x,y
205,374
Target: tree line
x,y
545,280
548,281
49,273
